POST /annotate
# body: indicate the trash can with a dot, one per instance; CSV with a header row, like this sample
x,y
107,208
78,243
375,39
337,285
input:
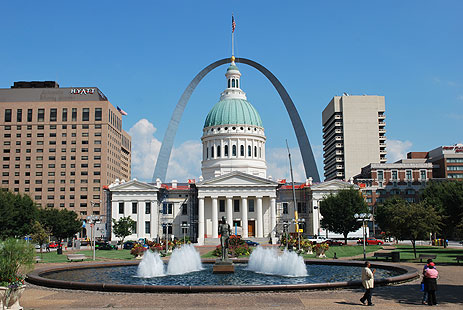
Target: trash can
x,y
395,257
59,251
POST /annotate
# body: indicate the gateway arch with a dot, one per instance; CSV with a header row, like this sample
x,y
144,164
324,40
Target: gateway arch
x,y
308,159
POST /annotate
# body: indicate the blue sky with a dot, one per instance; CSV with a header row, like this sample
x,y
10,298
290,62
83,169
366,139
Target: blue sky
x,y
143,54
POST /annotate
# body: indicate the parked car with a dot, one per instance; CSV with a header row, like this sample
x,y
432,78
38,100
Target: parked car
x,y
53,245
105,246
251,243
332,242
370,241
317,239
128,245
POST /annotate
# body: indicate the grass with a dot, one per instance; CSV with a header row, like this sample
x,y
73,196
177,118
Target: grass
x,y
346,251
442,255
52,257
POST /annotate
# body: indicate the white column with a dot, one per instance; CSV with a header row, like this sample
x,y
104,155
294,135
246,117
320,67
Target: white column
x,y
154,213
201,220
230,211
215,216
273,215
260,222
115,215
140,221
244,216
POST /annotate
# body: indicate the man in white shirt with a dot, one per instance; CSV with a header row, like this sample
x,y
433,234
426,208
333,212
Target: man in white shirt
x,y
368,281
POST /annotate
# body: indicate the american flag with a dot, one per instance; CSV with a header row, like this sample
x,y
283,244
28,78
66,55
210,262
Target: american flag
x,y
233,24
121,111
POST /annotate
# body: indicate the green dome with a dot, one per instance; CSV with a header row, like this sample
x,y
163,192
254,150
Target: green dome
x,y
233,112
233,67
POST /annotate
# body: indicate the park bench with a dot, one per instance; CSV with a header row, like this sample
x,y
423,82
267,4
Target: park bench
x,y
37,259
382,254
426,256
459,258
75,257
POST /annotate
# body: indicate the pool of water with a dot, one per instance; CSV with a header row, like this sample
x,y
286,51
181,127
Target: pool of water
x,y
242,276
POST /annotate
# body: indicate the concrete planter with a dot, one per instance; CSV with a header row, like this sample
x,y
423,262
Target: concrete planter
x,y
2,295
11,299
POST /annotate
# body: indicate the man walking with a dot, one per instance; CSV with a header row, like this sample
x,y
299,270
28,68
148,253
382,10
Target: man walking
x,y
368,281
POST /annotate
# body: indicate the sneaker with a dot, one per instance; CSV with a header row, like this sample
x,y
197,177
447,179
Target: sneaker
x,y
423,302
371,304
363,302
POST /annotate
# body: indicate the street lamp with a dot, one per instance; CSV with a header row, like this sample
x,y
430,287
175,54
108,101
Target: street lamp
x,y
185,227
363,217
285,231
298,222
92,220
166,225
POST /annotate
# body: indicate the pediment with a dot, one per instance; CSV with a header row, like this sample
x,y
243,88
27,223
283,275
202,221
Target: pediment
x,y
237,178
333,185
133,185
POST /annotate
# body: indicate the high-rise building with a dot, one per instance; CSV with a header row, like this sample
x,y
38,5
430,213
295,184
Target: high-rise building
x,y
354,135
61,145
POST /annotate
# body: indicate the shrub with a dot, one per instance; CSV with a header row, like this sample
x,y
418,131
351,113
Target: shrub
x,y
16,259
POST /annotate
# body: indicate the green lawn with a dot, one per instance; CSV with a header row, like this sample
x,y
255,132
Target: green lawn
x,y
52,257
443,255
346,251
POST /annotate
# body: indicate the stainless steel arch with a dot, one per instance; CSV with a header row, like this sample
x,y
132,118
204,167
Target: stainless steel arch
x,y
308,159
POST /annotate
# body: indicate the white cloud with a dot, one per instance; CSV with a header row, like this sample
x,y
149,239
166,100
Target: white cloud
x,y
184,161
397,149
278,164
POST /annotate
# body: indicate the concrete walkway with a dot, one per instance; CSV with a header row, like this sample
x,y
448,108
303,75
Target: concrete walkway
x,y
402,296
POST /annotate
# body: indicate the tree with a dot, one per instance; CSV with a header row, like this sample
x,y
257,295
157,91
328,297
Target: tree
x,y
17,214
338,211
16,259
39,235
62,223
405,220
447,198
123,227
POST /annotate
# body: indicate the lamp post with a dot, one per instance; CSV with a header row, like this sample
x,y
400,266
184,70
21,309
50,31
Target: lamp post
x,y
298,222
285,231
166,225
92,220
185,227
363,217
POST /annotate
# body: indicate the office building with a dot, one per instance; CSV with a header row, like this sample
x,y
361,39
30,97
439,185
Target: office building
x,y
354,135
61,145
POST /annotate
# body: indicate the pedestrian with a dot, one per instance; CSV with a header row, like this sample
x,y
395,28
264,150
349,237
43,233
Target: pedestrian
x,y
48,247
430,283
368,281
425,293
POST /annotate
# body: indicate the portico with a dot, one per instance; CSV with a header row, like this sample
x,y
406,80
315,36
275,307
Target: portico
x,y
248,203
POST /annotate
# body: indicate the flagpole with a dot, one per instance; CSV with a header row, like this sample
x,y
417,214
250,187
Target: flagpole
x,y
233,36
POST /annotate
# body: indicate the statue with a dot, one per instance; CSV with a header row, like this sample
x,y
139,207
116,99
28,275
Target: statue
x,y
224,264
224,231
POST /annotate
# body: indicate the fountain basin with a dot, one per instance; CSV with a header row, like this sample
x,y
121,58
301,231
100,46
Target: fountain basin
x,y
40,277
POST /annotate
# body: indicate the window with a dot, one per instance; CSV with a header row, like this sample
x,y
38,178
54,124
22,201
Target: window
x,y
221,205
53,113
249,151
85,114
184,209
394,175
64,115
212,152
134,207
41,115
236,205
380,175
251,205
218,151
234,150
29,117
7,115
74,115
19,115
167,208
226,151
97,114
408,175
285,208
147,227
423,175
147,207
242,150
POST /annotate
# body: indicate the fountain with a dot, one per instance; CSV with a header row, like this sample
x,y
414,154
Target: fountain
x,y
268,261
183,260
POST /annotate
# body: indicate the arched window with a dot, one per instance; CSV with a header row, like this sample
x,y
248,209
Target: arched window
x,y
249,151
218,151
242,150
207,152
228,83
212,152
234,150
226,151
260,152
233,83
237,83
255,151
